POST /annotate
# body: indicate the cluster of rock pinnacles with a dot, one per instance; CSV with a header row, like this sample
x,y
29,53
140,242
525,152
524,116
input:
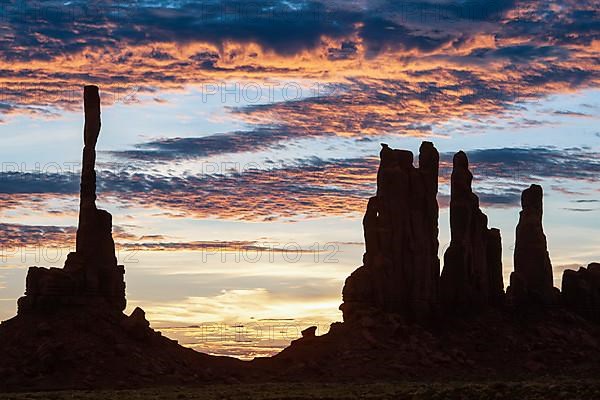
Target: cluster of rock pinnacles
x,y
401,269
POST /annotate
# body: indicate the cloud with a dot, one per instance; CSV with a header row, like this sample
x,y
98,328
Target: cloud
x,y
177,148
248,323
248,248
316,187
62,182
61,240
16,236
335,187
401,67
572,114
258,303
523,164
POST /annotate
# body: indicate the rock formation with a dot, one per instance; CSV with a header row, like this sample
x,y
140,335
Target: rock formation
x,y
400,271
581,291
309,332
472,274
70,331
91,276
494,266
531,282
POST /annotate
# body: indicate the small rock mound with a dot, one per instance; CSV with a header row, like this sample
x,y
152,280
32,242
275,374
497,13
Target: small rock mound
x,y
81,348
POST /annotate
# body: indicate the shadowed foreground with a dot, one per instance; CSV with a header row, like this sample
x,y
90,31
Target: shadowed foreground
x,y
546,390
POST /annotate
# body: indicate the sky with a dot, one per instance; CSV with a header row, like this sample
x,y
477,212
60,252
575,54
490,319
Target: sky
x,y
240,142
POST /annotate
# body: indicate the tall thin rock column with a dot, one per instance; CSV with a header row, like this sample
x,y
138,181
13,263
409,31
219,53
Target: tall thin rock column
x,y
472,274
532,280
401,268
87,199
91,276
494,266
95,246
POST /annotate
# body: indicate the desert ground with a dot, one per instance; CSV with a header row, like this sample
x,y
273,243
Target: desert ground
x,y
526,390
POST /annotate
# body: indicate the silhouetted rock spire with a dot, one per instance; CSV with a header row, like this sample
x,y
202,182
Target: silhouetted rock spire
x,y
91,275
472,274
581,291
401,267
494,266
91,220
531,282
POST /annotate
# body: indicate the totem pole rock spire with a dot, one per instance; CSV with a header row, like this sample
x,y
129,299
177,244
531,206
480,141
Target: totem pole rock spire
x,y
94,239
401,268
472,274
91,276
87,200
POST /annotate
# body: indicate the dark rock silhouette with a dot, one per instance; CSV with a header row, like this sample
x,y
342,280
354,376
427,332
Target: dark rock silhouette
x,y
401,267
309,332
581,291
498,344
74,348
70,331
91,276
377,341
494,266
472,274
531,283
